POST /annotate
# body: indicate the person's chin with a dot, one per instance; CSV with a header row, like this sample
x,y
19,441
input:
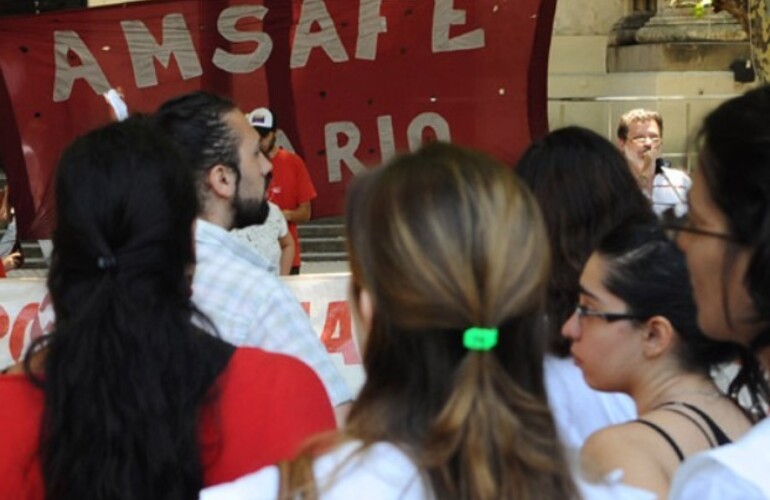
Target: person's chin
x,y
250,214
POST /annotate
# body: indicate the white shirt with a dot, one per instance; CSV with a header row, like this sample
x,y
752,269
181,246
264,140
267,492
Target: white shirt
x,y
381,472
740,470
250,306
578,410
264,237
669,189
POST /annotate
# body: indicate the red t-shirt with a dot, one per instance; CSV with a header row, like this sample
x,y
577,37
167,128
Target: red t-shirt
x,y
268,405
291,185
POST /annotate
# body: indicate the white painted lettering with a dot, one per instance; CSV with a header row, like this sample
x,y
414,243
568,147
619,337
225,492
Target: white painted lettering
x,y
242,63
444,17
65,74
337,153
370,25
385,131
314,11
435,121
144,49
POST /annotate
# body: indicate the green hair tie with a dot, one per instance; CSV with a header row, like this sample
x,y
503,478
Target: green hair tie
x,y
480,339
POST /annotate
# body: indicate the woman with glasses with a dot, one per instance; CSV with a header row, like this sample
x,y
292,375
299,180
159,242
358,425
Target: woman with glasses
x,y
727,244
634,331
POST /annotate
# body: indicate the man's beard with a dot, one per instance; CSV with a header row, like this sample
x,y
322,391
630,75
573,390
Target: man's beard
x,y
270,146
249,211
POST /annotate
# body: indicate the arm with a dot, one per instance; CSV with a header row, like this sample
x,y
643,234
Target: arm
x,y
12,261
279,324
300,214
624,447
287,253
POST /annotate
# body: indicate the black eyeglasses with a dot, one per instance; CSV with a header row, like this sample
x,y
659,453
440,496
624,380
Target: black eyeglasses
x,y
582,312
672,224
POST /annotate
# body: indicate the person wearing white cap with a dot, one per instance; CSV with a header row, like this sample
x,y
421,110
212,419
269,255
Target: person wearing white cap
x,y
291,187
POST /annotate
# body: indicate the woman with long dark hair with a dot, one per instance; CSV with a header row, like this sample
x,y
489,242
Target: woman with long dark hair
x,y
585,189
127,399
726,239
634,331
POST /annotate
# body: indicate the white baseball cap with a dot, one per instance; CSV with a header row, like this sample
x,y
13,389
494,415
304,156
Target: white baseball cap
x,y
261,118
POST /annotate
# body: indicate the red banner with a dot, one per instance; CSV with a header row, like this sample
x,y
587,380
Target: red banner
x,y
351,82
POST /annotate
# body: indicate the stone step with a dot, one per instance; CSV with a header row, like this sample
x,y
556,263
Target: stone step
x,y
320,230
324,256
323,240
33,255
323,244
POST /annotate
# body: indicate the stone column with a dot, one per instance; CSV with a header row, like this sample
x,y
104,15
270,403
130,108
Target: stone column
x,y
674,39
676,22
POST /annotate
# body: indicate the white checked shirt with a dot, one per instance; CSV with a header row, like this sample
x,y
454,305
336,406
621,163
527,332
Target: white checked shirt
x,y
250,306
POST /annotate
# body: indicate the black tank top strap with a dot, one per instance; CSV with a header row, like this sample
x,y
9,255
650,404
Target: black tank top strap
x,y
698,425
665,435
717,431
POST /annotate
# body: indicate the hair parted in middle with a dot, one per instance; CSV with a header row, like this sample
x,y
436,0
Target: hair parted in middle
x,y
126,372
445,239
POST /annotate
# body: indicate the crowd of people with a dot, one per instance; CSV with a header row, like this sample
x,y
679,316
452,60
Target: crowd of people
x,y
545,330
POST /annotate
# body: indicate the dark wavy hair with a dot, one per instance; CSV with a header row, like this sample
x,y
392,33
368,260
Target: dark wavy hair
x,y
125,371
585,189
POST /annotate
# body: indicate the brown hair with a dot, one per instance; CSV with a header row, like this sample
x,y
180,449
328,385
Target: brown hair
x,y
638,115
445,239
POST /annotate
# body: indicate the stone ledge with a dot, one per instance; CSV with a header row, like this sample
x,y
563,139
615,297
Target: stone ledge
x,y
676,56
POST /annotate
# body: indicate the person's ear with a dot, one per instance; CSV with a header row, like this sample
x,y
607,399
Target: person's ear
x,y
363,314
658,337
366,309
222,181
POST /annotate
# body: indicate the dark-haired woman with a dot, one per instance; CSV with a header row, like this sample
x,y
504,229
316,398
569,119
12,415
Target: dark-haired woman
x,y
585,189
448,282
127,399
726,238
634,331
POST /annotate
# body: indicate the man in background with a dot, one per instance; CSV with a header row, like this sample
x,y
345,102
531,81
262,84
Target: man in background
x,y
233,284
291,188
640,138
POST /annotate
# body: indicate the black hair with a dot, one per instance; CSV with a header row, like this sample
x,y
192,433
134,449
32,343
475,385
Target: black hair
x,y
648,272
264,131
734,157
585,188
196,122
735,160
125,371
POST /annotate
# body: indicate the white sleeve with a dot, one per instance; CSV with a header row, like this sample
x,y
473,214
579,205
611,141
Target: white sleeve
x,y
262,484
703,478
284,226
